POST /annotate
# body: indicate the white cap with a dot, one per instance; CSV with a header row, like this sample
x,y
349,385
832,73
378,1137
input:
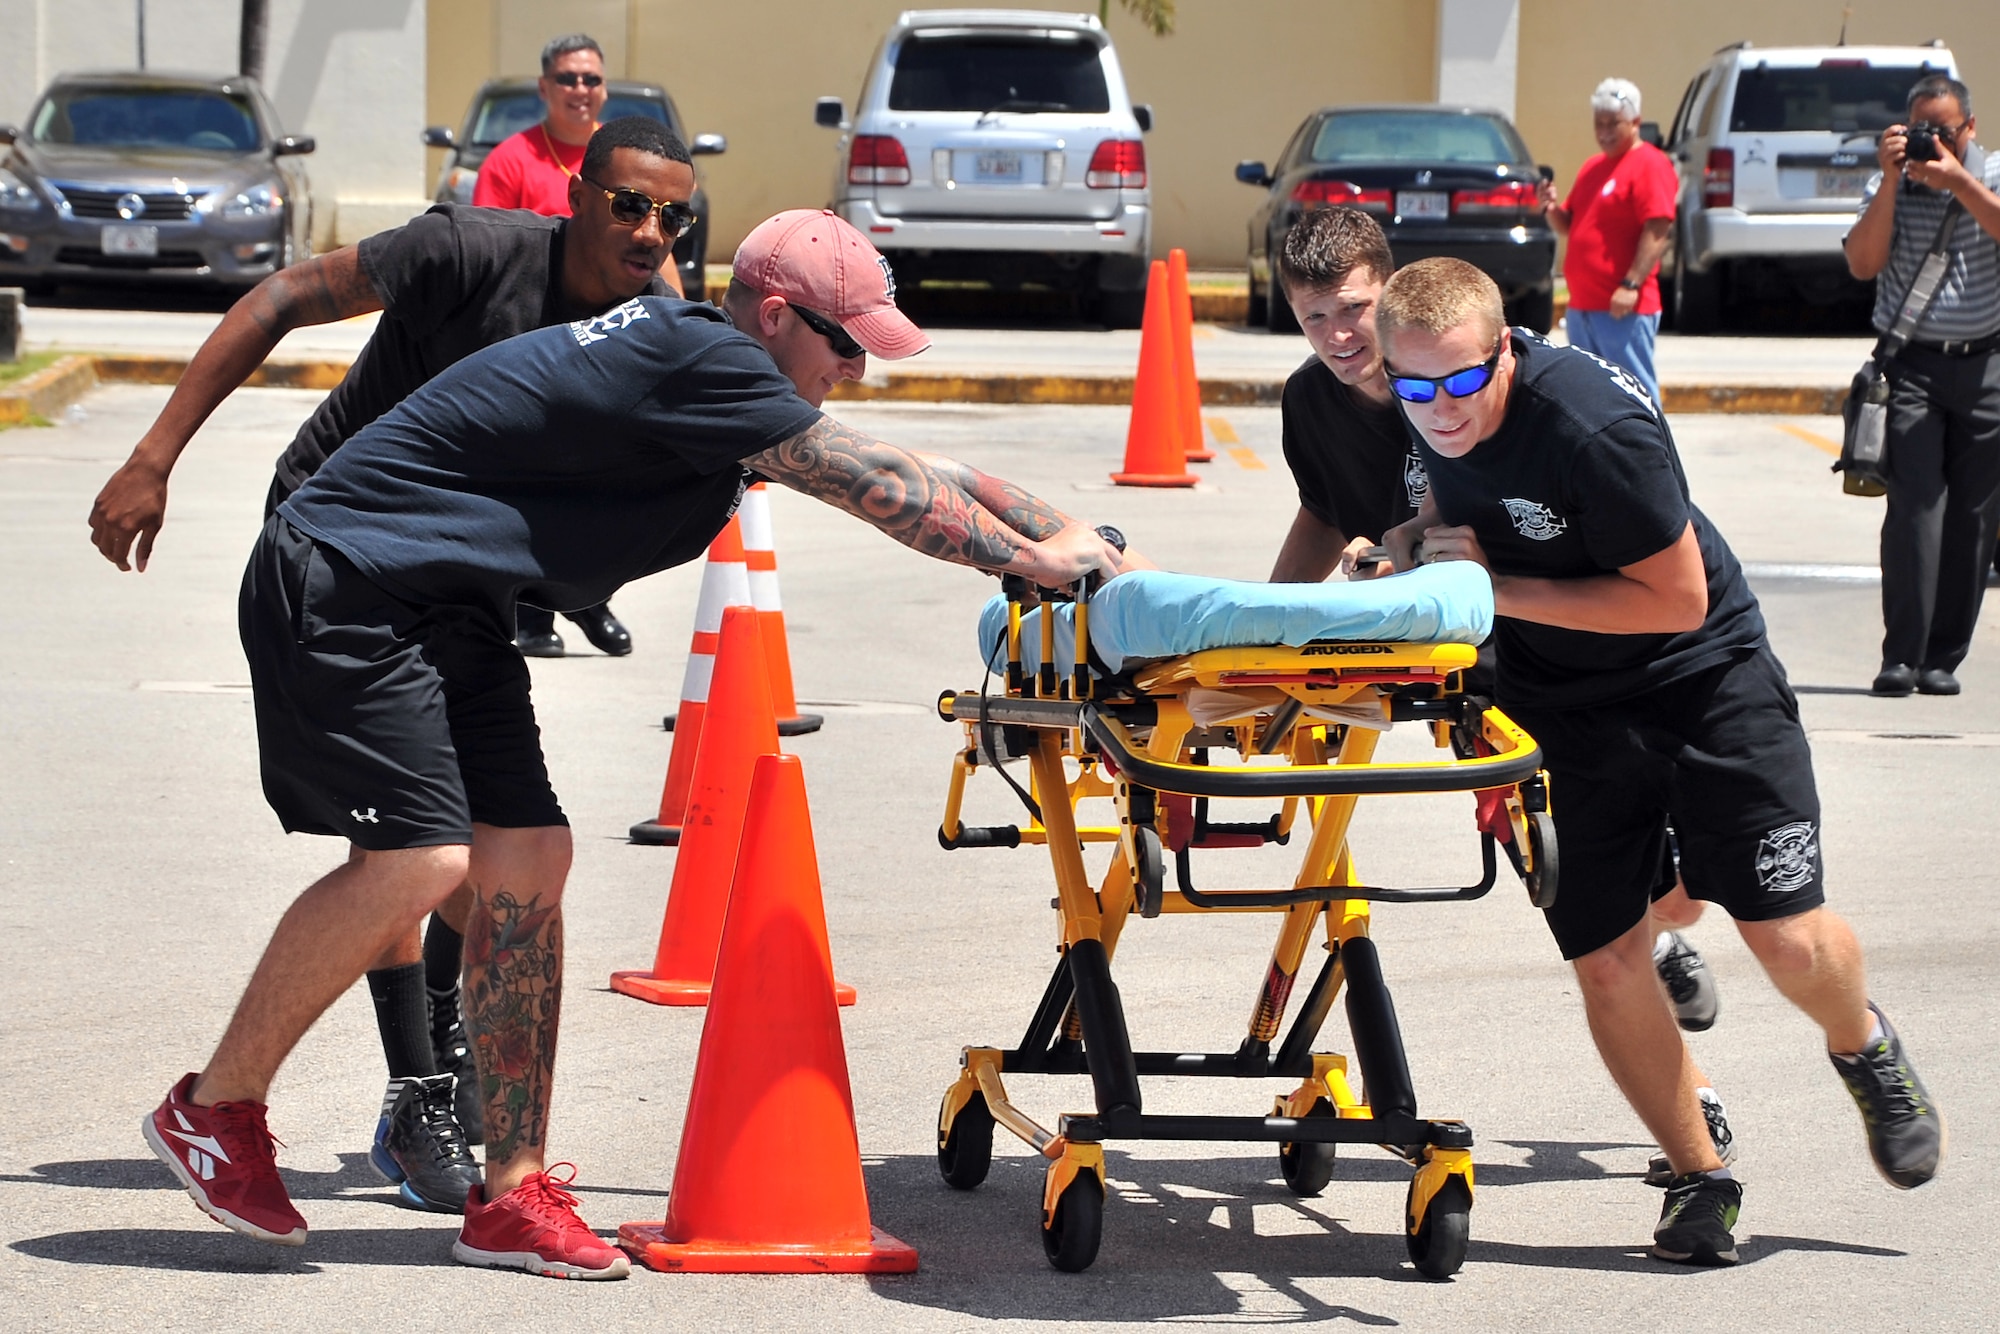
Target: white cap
x,y
1619,95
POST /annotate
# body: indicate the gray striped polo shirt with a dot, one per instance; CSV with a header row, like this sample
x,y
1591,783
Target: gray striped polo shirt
x,y
1967,304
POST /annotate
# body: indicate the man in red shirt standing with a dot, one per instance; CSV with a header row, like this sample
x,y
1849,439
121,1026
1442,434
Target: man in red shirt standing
x,y
1617,218
532,170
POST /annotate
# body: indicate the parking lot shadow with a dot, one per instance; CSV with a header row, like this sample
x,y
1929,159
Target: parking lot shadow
x,y
1219,1238
354,1173
215,1250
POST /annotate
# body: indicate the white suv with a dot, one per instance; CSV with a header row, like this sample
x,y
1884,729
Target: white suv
x,y
1000,145
1774,147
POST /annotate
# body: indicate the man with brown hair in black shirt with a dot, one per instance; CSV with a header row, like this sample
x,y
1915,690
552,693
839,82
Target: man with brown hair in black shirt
x,y
448,284
1357,469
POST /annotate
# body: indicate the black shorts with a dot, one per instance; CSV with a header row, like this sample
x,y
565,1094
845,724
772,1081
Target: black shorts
x,y
1722,758
391,725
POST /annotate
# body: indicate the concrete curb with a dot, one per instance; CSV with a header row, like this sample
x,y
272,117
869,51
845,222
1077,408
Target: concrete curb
x,y
49,392
1084,390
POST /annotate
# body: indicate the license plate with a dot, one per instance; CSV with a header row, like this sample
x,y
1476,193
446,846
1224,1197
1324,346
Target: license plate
x,y
997,168
1842,184
1423,204
142,241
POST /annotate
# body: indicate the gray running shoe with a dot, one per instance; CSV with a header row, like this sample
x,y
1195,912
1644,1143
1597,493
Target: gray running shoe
x,y
1695,1222
1905,1129
1685,975
1660,1173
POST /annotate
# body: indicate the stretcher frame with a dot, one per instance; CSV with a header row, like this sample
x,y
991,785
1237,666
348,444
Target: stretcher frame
x,y
1132,739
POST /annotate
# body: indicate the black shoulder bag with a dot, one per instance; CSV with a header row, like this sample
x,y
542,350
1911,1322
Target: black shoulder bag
x,y
1864,441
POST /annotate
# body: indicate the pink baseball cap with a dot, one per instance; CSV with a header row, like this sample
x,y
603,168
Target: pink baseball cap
x,y
816,258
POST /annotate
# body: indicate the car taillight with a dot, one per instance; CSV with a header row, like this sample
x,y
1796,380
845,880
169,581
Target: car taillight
x,y
1117,164
877,159
1313,193
1509,197
1718,179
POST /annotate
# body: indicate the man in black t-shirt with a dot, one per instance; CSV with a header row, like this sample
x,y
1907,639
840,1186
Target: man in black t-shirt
x,y
448,284
1633,651
393,710
1356,467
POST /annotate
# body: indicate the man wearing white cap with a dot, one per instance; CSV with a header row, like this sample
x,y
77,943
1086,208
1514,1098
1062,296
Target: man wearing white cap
x,y
376,614
1617,218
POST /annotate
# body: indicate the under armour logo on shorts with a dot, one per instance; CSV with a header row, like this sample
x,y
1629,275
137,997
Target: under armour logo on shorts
x,y
369,818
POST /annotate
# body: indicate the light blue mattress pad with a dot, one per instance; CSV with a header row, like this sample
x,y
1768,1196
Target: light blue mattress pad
x,y
1149,615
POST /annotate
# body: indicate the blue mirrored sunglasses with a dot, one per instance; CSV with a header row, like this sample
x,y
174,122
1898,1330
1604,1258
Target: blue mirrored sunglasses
x,y
1459,384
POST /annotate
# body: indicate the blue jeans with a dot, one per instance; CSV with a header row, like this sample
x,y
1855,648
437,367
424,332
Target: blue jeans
x,y
1627,343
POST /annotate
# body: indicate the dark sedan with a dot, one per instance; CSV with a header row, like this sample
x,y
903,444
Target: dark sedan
x,y
1442,180
140,175
503,107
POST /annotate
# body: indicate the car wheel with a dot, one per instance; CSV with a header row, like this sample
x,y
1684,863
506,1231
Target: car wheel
x,y
1278,311
1697,298
1536,311
1256,314
1120,310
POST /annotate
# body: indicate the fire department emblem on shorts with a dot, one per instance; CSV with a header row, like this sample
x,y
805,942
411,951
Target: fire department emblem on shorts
x,y
1534,519
1416,482
1787,858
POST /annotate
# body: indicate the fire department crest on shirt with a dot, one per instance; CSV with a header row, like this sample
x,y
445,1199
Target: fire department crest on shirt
x,y
1534,519
1416,482
1787,857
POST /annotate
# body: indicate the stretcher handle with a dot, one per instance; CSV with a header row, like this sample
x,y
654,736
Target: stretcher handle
x,y
1285,898
981,836
1308,780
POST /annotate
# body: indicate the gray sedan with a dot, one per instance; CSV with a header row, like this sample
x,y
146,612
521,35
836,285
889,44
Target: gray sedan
x,y
160,177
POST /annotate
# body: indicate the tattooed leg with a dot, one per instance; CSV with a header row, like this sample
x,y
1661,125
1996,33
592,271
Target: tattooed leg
x,y
513,991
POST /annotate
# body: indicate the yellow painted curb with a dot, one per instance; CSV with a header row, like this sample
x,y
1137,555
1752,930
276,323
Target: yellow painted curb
x,y
48,392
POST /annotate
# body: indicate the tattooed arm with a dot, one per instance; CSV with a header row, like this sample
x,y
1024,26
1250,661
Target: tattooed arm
x,y
133,504
937,505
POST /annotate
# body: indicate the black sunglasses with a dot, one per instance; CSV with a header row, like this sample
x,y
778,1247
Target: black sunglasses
x,y
839,339
629,208
570,79
1459,384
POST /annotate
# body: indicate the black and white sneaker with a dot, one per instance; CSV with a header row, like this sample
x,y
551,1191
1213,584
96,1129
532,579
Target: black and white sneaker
x,y
1689,984
1660,1173
1905,1130
1696,1221
453,1050
420,1147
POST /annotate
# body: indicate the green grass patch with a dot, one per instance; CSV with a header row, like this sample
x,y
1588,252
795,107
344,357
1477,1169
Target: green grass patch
x,y
11,371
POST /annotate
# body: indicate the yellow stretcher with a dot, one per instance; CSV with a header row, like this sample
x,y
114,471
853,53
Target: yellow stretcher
x,y
1133,739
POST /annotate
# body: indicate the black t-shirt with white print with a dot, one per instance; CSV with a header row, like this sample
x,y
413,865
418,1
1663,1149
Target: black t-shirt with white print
x,y
1581,479
1354,463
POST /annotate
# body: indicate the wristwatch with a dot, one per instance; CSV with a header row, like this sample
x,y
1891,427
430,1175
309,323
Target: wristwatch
x,y
1112,535
1631,286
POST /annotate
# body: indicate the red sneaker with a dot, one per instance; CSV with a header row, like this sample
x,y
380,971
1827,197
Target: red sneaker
x,y
222,1154
534,1227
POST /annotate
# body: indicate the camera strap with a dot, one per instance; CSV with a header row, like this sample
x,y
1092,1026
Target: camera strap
x,y
1922,289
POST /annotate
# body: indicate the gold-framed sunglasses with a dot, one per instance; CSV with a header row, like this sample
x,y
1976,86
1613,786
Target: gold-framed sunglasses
x,y
629,208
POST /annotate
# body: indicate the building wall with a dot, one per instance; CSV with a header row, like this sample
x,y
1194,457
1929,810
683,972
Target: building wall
x,y
348,72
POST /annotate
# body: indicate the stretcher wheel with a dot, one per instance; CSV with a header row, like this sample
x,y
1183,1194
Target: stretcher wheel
x,y
966,1153
1542,850
1149,877
1437,1247
1071,1240
1308,1167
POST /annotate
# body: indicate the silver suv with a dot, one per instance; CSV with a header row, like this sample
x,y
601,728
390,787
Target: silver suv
x,y
1775,146
1000,145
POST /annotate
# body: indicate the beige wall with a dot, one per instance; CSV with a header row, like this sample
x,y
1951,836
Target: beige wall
x,y
1568,46
1231,84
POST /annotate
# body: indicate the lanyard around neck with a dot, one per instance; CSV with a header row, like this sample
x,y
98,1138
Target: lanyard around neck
x,y
543,126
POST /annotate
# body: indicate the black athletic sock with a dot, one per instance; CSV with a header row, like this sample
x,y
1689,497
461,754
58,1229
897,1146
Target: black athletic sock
x,y
443,951
402,1012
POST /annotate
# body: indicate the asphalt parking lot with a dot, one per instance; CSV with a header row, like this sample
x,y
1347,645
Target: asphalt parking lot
x,y
142,873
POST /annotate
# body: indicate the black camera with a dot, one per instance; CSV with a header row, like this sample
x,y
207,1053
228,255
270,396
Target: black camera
x,y
1920,142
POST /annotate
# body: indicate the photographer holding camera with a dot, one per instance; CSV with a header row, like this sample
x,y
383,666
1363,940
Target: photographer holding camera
x,y
1943,458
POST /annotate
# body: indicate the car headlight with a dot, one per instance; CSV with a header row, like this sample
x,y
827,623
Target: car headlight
x,y
259,201
16,193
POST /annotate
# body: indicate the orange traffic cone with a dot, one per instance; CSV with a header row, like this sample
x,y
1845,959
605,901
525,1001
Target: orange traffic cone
x,y
769,1174
1153,452
1181,307
760,549
725,582
737,730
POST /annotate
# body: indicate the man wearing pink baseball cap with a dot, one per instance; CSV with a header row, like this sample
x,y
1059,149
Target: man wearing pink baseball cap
x,y
550,468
